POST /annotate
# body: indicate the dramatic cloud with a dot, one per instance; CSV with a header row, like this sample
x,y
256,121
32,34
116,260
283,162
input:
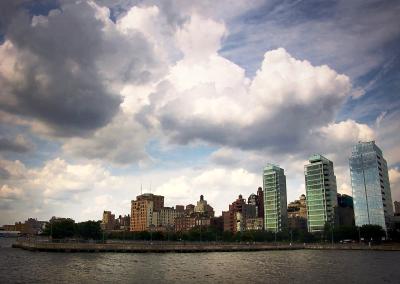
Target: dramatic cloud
x,y
209,98
120,142
347,35
65,69
18,144
192,98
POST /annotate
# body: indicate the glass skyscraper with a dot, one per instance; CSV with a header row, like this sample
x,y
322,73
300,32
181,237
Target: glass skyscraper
x,y
275,205
370,184
321,192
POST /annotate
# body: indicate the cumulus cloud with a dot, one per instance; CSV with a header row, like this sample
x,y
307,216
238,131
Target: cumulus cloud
x,y
156,72
212,100
219,186
60,180
120,142
66,69
8,192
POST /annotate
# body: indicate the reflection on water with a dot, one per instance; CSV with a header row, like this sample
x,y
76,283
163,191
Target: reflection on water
x,y
300,266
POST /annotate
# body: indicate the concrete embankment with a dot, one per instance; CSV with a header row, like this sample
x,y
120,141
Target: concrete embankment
x,y
148,247
181,247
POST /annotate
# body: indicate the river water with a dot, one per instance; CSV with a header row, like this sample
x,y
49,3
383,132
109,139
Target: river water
x,y
298,266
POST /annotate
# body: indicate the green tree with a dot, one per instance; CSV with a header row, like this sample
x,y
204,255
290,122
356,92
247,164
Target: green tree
x,y
89,230
372,232
60,228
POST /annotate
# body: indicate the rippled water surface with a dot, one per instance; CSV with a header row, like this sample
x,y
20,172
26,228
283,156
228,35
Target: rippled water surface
x,y
300,266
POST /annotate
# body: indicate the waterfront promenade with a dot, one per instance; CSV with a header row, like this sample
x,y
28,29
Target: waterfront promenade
x,y
185,247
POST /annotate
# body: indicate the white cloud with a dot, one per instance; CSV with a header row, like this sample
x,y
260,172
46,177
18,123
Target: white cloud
x,y
120,142
348,131
200,37
209,98
219,186
60,180
8,192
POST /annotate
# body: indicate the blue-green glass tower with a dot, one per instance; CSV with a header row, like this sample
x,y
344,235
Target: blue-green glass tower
x,y
370,184
275,204
321,192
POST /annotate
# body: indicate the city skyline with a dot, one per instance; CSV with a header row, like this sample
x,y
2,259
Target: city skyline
x,y
323,201
187,99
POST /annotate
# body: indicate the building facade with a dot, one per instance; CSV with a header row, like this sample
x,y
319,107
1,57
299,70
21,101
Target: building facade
x,y
202,208
165,217
239,212
254,224
397,208
142,210
258,201
370,184
344,211
275,206
184,223
108,222
321,192
297,214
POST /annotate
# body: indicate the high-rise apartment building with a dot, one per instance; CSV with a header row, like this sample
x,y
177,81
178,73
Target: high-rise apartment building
x,y
142,211
275,206
370,184
321,192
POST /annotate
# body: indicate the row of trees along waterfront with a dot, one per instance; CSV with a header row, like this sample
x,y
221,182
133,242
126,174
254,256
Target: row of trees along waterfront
x,y
67,228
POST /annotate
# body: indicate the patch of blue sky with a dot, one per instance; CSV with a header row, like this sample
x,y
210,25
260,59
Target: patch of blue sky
x,y
179,156
247,40
382,94
166,158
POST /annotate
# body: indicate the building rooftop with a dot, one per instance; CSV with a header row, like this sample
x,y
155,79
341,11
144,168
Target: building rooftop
x,y
270,167
317,157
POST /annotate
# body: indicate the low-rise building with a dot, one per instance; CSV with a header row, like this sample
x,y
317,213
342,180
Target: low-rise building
x,y
344,211
239,212
108,222
297,214
124,222
203,209
254,224
184,223
397,208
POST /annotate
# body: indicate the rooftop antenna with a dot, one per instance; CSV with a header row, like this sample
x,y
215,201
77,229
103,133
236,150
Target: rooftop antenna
x,y
141,189
150,186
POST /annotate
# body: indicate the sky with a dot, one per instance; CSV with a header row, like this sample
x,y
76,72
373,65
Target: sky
x,y
102,100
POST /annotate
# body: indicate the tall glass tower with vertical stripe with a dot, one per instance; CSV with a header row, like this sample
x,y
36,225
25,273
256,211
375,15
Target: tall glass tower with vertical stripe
x,y
275,205
370,184
321,192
